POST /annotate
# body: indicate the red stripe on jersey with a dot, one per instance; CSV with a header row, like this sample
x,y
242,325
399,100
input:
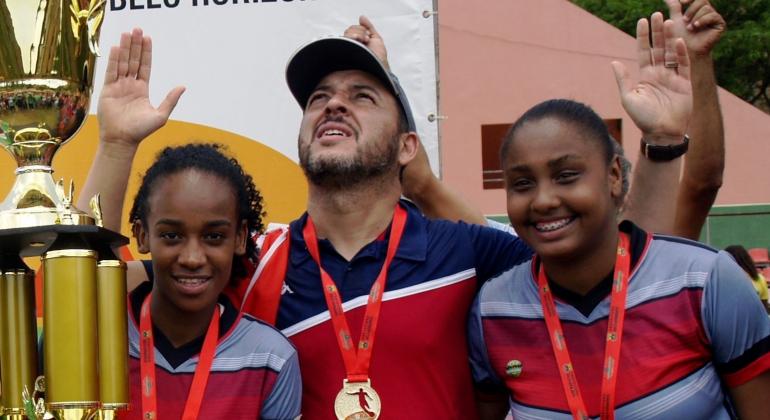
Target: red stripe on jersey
x,y
419,367
749,372
230,395
660,346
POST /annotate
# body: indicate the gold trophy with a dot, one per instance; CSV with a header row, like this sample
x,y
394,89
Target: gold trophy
x,y
47,53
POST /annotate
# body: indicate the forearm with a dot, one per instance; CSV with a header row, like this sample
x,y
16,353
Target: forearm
x,y
438,201
108,176
651,201
705,159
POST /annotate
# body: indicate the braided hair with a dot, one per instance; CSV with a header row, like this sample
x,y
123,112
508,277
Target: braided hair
x,y
208,158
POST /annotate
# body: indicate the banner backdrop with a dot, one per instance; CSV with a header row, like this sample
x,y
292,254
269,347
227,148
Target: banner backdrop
x,y
231,56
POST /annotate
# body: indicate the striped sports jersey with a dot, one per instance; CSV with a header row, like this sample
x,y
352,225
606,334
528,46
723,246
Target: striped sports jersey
x,y
255,373
692,326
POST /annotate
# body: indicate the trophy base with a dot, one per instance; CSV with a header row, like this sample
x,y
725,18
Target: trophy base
x,y
35,241
42,217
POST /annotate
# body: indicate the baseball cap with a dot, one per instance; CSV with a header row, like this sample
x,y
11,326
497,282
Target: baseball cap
x,y
317,59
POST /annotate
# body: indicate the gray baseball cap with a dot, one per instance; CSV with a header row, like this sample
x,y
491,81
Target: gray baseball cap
x,y
317,59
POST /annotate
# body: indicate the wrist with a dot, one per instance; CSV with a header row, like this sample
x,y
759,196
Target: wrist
x,y
662,139
658,152
117,149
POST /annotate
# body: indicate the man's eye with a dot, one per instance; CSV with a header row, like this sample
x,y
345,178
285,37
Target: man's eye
x,y
365,96
316,97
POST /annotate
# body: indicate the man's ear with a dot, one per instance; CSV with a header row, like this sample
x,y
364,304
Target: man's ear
x,y
408,147
241,236
141,235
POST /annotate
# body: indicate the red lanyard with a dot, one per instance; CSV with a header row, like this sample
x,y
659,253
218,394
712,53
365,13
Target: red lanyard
x,y
614,336
356,362
147,366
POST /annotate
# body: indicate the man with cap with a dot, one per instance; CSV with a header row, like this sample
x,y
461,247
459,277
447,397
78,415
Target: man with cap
x,y
361,255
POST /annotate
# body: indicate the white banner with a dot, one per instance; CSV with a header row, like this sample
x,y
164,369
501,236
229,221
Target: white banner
x,y
231,56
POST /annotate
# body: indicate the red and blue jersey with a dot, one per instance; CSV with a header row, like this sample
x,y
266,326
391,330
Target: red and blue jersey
x,y
419,363
693,326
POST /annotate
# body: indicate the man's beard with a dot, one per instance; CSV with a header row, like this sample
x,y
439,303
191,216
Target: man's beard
x,y
345,172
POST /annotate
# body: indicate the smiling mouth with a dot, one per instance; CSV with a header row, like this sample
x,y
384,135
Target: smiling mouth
x,y
553,225
191,282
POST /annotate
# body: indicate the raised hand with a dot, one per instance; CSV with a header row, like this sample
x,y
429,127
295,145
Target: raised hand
x,y
660,103
125,113
367,34
700,26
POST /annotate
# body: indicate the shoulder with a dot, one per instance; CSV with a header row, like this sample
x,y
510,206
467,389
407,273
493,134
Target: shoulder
x,y
511,285
259,344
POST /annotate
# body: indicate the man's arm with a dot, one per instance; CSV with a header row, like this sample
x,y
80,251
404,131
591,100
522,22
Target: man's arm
x,y
701,27
434,198
660,105
126,117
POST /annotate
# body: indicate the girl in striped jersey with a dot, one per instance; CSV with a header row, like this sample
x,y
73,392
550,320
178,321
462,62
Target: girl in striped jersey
x,y
193,354
606,320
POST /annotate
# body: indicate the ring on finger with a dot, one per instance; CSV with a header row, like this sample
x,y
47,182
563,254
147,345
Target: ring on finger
x,y
671,65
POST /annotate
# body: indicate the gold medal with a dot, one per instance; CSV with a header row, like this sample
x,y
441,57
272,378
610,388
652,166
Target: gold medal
x,y
357,401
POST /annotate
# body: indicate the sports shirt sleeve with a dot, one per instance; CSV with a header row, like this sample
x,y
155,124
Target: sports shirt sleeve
x,y
484,375
285,400
496,250
736,323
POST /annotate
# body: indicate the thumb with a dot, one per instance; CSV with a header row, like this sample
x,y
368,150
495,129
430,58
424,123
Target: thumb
x,y
168,104
621,77
366,23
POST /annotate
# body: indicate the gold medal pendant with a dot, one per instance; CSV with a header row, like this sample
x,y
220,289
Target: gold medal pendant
x,y
357,401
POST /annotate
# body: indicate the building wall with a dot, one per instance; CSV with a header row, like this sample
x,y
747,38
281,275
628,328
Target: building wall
x,y
498,58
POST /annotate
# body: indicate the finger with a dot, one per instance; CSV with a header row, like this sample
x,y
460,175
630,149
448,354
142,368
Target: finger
x,y
145,64
674,9
669,58
683,60
135,52
358,33
658,39
111,74
366,23
621,78
702,12
693,8
172,98
711,20
644,55
125,46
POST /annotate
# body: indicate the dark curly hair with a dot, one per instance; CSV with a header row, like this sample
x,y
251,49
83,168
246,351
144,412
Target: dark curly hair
x,y
209,158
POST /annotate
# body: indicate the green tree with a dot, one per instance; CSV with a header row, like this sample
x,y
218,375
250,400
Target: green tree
x,y
742,56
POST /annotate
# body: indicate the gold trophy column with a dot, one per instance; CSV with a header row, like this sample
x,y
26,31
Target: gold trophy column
x,y
113,337
18,338
70,347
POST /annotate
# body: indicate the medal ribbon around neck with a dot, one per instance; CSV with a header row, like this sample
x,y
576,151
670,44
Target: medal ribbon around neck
x,y
147,366
356,361
614,334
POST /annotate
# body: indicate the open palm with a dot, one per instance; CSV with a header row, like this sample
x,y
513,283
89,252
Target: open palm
x,y
124,111
660,102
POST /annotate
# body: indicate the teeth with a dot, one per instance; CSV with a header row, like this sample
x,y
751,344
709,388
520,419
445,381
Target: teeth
x,y
551,226
333,133
191,282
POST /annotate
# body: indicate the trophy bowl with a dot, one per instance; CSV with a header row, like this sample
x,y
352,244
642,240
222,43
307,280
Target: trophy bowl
x,y
47,57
